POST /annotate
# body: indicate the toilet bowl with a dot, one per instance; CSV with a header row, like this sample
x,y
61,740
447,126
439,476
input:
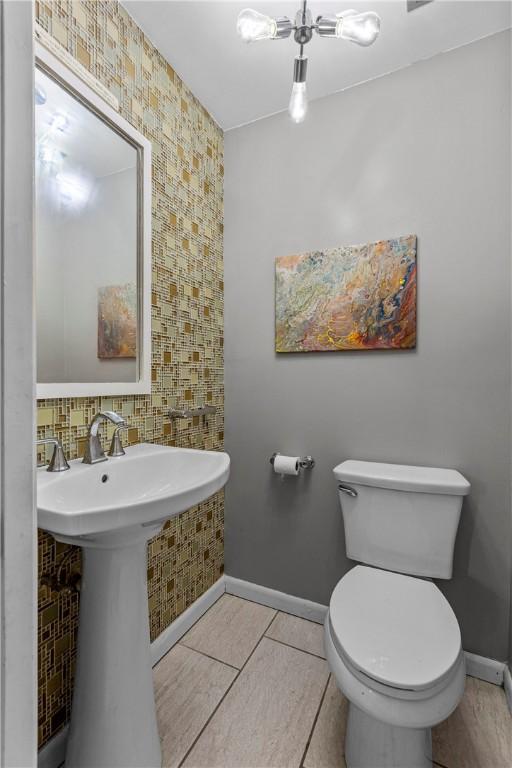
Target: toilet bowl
x,y
393,645
392,641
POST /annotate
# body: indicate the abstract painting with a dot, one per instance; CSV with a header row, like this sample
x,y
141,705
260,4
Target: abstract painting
x,y
353,297
117,321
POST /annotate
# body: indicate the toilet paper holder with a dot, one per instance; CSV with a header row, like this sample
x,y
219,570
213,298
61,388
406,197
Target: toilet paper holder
x,y
305,462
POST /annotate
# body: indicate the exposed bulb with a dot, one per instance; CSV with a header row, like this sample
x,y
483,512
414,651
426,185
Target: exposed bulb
x,y
74,190
50,156
360,28
298,103
59,123
252,25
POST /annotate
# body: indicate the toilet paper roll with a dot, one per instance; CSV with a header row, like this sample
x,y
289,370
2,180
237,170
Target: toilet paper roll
x,y
286,465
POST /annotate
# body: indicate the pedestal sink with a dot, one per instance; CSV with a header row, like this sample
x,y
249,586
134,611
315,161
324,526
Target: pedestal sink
x,y
111,509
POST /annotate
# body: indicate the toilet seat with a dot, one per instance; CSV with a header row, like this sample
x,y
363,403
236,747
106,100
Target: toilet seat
x,y
397,633
389,705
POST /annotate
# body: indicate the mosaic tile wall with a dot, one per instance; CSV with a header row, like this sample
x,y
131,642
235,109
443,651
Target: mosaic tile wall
x,y
187,322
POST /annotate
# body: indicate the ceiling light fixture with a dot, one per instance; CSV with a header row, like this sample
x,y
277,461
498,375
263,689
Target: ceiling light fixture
x,y
360,28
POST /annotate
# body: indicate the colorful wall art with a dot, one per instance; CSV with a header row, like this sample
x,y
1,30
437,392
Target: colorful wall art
x,y
353,297
117,321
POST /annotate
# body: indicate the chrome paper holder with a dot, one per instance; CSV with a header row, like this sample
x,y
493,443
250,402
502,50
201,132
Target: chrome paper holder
x,y
305,462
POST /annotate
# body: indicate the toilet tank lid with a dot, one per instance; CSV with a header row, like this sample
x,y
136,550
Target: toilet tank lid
x,y
403,477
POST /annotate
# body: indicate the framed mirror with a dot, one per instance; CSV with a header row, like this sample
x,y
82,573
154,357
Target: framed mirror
x,y
92,241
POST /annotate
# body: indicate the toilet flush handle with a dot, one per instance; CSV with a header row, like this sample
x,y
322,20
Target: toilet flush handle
x,y
348,490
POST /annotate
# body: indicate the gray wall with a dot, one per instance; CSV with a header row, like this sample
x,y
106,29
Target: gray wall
x,y
423,150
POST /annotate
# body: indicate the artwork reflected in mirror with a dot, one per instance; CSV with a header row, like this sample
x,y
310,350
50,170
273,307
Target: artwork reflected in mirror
x,y
117,321
89,252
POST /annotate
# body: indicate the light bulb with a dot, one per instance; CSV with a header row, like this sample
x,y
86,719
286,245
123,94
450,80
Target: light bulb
x,y
298,103
50,156
74,190
59,123
360,28
252,25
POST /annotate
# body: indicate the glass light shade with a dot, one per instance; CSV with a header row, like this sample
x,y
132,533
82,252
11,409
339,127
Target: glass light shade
x,y
360,28
298,103
252,25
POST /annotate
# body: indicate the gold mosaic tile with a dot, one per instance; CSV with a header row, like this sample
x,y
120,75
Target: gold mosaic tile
x,y
187,329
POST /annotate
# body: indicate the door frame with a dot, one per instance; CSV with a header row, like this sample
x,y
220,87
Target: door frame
x,y
18,528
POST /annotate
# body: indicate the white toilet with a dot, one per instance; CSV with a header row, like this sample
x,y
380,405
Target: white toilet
x,y
392,640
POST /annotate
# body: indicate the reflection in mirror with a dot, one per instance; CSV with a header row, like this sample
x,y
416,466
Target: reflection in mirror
x,y
87,179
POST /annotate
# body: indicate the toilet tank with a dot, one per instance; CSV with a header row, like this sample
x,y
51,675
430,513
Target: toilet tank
x,y
399,517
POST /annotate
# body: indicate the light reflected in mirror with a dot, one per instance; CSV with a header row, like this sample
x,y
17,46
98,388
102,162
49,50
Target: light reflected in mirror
x,y
87,242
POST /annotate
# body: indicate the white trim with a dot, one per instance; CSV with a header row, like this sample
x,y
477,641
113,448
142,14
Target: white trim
x,y
297,606
51,45
496,672
99,105
53,753
170,636
507,682
490,670
486,669
18,533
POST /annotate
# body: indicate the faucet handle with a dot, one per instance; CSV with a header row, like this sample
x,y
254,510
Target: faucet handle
x,y
58,461
116,446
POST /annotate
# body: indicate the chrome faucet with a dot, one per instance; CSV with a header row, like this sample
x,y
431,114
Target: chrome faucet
x,y
58,461
94,452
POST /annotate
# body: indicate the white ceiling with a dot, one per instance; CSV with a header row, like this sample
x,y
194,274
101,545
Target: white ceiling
x,y
239,82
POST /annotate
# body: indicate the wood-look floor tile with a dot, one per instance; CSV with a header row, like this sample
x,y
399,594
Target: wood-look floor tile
x,y
188,687
479,733
266,718
327,744
230,630
302,634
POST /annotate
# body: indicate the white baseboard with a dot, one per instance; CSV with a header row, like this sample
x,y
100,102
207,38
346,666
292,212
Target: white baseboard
x,y
274,599
496,672
507,682
170,636
486,669
53,753
476,666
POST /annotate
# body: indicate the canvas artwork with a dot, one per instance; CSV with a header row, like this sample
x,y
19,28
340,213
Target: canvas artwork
x,y
353,297
117,321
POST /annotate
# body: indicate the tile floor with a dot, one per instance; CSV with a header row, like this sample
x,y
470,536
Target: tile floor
x,y
249,687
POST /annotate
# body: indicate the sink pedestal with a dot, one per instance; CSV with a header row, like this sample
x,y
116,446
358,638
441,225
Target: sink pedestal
x,y
111,509
113,719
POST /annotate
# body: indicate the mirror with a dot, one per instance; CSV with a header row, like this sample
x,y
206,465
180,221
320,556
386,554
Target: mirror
x,y
92,239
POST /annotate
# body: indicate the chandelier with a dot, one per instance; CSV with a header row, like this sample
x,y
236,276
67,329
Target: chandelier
x,y
361,28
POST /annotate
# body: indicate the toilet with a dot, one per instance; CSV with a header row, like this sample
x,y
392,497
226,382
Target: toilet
x,y
392,641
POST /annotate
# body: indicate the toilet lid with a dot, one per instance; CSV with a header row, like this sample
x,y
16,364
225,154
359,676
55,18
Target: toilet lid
x,y
396,629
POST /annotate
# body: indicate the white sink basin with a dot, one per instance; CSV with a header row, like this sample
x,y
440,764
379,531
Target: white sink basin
x,y
148,485
111,509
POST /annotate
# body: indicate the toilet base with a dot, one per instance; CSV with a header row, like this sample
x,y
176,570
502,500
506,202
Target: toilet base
x,y
370,743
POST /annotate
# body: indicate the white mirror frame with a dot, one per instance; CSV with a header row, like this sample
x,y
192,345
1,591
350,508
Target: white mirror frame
x,y
95,103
